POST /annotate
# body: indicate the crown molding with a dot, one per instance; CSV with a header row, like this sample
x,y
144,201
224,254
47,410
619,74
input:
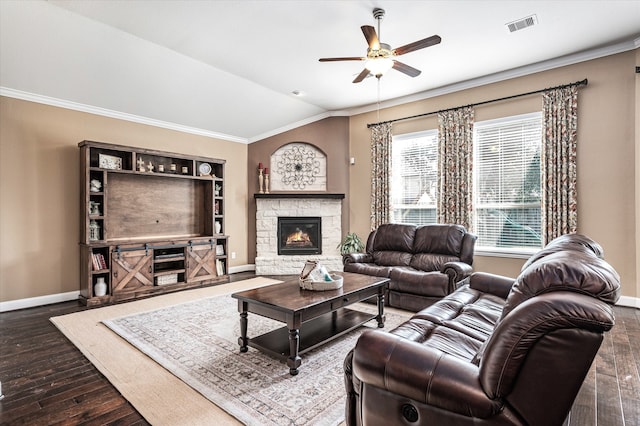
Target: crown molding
x,y
47,100
505,75
300,123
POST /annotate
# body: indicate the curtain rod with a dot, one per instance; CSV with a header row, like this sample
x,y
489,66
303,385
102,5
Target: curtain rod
x,y
577,83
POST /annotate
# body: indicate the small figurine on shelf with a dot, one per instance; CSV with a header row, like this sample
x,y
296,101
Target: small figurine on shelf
x,y
150,166
260,178
266,180
218,187
94,230
94,208
141,165
95,186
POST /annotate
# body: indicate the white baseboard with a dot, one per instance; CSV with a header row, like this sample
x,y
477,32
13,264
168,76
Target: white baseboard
x,y
242,268
32,302
631,302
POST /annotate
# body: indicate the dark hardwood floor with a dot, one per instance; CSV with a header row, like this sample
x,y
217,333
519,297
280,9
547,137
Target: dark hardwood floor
x,y
47,381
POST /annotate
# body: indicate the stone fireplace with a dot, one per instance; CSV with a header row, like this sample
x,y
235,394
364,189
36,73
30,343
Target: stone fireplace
x,y
313,224
299,235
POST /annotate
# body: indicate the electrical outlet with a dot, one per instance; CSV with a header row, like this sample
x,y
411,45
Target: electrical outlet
x,y
233,254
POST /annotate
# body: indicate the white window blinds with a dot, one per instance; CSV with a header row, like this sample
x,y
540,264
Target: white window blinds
x,y
414,177
507,183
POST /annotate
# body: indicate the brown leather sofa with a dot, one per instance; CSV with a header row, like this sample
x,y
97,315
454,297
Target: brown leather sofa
x,y
423,263
498,351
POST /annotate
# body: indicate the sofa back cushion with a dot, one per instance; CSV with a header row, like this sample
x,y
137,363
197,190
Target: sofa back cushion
x,y
394,237
391,245
439,239
575,242
569,270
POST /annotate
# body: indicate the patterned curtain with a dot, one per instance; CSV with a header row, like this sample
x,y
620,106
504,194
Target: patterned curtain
x,y
455,166
380,173
558,162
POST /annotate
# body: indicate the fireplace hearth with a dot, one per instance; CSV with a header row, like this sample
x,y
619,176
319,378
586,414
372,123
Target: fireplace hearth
x,y
299,236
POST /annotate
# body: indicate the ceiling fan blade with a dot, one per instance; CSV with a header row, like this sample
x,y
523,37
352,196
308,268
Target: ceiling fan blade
x,y
371,36
361,76
350,58
408,70
420,44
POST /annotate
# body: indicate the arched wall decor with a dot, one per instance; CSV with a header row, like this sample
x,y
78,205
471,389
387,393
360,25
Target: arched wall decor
x,y
298,166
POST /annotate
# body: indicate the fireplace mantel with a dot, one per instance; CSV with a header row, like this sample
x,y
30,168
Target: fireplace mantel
x,y
273,196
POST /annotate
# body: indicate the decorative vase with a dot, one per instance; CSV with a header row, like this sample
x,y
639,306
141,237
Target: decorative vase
x,y
100,289
218,227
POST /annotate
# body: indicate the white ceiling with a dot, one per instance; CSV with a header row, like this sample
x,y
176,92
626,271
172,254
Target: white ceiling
x,y
228,68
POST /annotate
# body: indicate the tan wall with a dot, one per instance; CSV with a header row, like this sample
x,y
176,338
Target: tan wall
x,y
331,136
39,201
606,152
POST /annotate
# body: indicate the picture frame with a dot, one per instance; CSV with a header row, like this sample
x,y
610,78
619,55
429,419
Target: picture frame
x,y
110,162
220,249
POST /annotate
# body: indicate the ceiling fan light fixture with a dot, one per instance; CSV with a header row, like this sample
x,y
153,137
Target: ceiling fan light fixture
x,y
378,66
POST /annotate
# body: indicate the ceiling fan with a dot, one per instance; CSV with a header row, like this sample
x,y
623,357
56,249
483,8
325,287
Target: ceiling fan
x,y
380,56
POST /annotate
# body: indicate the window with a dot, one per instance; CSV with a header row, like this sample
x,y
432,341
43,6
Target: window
x,y
414,178
507,188
507,191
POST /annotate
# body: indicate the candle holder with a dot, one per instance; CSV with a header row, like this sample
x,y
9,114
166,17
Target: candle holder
x,y
266,183
260,179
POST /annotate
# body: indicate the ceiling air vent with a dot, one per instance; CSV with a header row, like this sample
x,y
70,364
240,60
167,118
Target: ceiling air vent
x,y
523,23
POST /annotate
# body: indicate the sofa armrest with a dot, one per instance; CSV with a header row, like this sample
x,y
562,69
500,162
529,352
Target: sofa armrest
x,y
421,373
498,285
457,271
357,258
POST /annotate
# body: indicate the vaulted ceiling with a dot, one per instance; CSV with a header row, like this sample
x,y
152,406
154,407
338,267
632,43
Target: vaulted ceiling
x,y
229,69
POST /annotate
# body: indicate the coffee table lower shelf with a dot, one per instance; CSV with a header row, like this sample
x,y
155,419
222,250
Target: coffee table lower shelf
x,y
313,333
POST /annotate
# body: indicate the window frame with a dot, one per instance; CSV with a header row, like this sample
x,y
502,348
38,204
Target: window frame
x,y
511,252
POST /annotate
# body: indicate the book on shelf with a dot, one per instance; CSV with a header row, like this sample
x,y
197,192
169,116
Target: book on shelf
x,y
95,262
220,249
219,267
98,261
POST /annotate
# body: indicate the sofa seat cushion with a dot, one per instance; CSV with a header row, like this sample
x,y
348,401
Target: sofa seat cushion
x,y
409,280
430,261
466,314
391,258
368,269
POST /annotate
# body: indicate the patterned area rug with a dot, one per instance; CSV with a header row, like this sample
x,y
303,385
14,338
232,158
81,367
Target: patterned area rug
x,y
197,342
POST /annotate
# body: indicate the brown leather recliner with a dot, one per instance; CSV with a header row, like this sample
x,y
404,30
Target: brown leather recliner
x,y
423,263
497,351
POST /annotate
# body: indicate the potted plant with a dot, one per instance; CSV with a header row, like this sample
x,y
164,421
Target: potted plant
x,y
350,244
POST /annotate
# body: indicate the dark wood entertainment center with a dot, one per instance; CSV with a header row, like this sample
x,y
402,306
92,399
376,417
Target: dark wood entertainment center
x,y
151,222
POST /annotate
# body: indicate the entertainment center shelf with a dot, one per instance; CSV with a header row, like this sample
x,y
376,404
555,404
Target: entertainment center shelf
x,y
151,222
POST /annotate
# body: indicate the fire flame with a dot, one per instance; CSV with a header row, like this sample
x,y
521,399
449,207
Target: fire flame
x,y
298,237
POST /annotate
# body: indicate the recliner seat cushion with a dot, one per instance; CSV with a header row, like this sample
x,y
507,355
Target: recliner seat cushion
x,y
408,280
431,262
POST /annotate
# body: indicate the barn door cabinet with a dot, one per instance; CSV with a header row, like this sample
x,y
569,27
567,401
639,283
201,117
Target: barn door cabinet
x,y
151,222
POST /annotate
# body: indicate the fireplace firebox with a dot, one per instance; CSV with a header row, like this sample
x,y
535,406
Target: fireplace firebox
x,y
299,235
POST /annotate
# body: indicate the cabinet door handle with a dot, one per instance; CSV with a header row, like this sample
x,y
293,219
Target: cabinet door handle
x,y
115,274
150,270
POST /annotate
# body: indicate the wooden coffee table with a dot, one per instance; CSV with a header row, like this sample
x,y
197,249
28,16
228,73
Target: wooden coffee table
x,y
311,317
